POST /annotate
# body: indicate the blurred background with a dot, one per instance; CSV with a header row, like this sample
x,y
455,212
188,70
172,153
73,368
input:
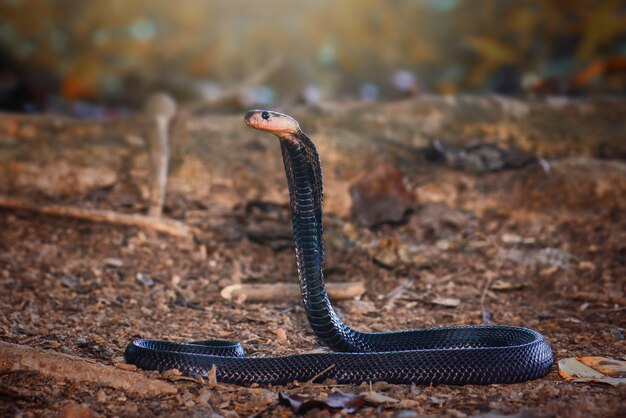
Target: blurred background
x,y
102,58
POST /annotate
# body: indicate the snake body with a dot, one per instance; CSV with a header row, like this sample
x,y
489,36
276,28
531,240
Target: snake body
x,y
446,355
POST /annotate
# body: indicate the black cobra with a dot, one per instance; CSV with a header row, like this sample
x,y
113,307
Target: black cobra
x,y
451,355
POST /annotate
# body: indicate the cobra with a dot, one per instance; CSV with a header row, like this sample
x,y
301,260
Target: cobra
x,y
455,355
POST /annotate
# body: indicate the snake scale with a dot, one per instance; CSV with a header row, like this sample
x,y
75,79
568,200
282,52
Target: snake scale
x,y
444,355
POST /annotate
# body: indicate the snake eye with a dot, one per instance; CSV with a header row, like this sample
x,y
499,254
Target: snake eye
x,y
265,115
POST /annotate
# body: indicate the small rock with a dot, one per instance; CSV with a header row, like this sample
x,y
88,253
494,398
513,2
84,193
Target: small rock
x,y
101,397
171,374
130,409
552,257
378,398
52,344
617,333
407,403
381,196
480,157
281,334
113,262
68,282
504,285
386,256
126,366
516,239
74,410
447,302
406,413
135,141
456,413
443,244
586,265
143,280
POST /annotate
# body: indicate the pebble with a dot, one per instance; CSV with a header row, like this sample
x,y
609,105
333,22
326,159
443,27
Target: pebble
x,y
101,396
378,398
74,410
381,196
405,413
144,280
281,334
113,262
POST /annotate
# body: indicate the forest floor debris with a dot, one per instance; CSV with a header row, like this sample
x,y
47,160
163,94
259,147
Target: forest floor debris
x,y
88,289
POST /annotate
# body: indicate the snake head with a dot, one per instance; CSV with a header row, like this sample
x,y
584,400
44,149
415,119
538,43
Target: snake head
x,y
272,122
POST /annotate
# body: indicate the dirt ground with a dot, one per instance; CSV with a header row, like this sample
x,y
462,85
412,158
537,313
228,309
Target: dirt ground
x,y
89,289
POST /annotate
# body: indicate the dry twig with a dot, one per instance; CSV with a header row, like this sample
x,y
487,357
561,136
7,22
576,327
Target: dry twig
x,y
166,226
287,291
64,367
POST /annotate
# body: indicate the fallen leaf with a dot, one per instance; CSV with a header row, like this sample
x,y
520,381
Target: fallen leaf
x,y
171,374
407,403
335,400
447,302
281,334
199,379
345,401
299,403
126,366
586,265
377,398
212,376
505,285
516,239
52,344
585,369
74,410
456,413
113,262
607,366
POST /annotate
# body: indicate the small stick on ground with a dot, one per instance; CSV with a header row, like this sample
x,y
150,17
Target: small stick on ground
x,y
287,291
75,369
166,226
320,374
